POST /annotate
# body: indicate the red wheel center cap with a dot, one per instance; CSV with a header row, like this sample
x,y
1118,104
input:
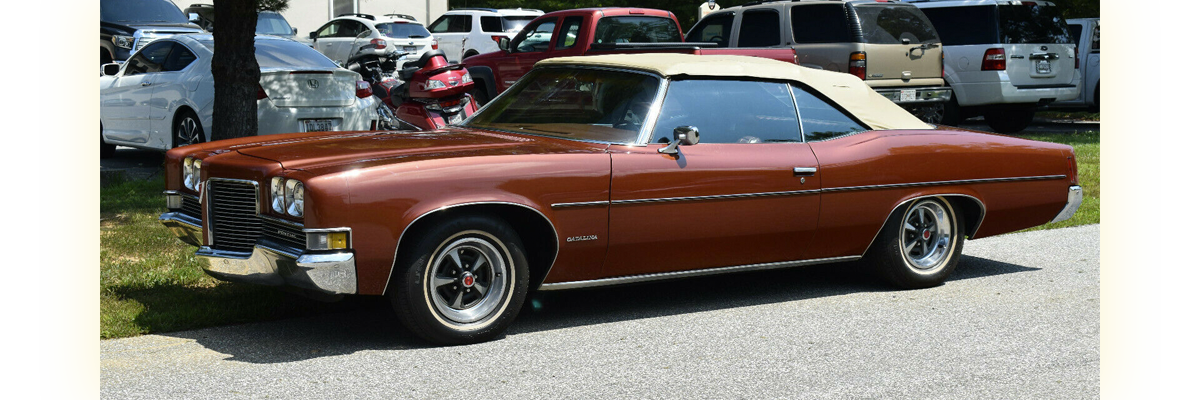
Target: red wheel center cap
x,y
470,280
925,235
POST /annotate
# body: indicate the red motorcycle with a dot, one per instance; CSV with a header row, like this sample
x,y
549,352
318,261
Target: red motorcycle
x,y
435,93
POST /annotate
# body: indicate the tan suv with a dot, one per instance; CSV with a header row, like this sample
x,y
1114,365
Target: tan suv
x,y
888,44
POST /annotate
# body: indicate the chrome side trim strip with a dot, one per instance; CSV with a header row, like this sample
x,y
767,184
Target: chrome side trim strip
x,y
942,183
684,274
580,204
396,257
716,197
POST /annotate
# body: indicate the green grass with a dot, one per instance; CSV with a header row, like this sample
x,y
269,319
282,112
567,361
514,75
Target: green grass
x,y
150,281
1087,158
1076,115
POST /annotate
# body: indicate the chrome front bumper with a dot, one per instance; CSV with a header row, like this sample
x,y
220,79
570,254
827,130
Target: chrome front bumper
x,y
270,264
1074,199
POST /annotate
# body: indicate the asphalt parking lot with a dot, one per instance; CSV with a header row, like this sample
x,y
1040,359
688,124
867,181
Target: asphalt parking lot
x,y
1020,318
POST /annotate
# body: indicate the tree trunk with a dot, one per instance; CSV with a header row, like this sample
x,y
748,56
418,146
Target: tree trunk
x,y
235,70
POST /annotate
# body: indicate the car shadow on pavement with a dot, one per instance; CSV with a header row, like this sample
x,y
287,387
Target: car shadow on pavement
x,y
373,327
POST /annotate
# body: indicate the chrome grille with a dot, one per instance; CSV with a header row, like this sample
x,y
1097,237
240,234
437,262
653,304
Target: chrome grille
x,y
284,233
233,215
191,206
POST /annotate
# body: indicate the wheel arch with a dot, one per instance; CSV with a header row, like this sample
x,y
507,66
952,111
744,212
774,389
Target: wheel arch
x,y
972,211
538,235
484,74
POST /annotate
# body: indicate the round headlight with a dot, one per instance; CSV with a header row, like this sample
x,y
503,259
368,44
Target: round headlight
x,y
294,198
277,195
187,172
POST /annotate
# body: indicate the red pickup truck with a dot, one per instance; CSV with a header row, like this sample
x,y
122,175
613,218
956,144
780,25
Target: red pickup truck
x,y
590,31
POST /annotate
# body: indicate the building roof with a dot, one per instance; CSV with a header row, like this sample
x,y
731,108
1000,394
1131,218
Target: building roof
x,y
846,90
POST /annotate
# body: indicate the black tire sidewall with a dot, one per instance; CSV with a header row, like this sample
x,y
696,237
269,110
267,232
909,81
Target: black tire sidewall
x,y
1009,120
893,266
410,298
175,142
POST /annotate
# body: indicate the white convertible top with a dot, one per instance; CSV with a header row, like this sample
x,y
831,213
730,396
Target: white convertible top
x,y
844,89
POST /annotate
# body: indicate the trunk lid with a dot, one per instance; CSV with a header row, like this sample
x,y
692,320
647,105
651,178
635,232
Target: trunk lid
x,y
309,88
1037,43
899,40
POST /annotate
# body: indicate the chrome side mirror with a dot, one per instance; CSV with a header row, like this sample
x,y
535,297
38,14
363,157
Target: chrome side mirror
x,y
110,69
504,44
685,135
194,18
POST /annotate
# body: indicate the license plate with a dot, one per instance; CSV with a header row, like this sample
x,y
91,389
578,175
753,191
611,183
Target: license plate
x,y
908,95
1043,66
317,125
457,117
411,48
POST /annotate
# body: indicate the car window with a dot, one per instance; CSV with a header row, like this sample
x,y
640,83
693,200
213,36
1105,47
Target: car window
x,y
636,30
573,103
569,32
1032,24
714,29
760,28
1096,39
891,24
536,39
179,59
964,25
140,11
452,24
354,28
330,30
820,120
820,23
402,30
491,24
149,59
289,54
729,111
272,24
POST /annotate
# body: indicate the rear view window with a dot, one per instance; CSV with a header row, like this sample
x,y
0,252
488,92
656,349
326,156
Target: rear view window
x,y
820,23
760,28
714,29
891,24
964,25
140,11
289,54
1032,24
401,30
272,24
636,30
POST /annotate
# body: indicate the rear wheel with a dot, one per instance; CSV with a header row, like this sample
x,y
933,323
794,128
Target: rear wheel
x,y
952,115
920,244
1009,120
187,130
463,282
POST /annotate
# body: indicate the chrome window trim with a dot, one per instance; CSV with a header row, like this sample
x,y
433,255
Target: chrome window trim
x,y
396,257
796,107
692,273
641,137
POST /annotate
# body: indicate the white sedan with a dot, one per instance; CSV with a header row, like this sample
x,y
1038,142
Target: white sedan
x,y
162,97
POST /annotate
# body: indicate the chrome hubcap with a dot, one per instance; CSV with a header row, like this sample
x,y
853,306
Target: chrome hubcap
x,y
927,235
468,280
188,132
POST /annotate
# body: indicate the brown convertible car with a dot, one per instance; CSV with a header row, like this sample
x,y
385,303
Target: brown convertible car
x,y
610,170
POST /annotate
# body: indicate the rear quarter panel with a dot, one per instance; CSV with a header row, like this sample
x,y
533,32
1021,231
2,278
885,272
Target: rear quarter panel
x,y
1027,183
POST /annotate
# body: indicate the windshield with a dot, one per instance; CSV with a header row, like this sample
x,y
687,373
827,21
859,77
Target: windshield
x,y
126,11
1032,24
272,24
573,103
637,30
400,30
891,24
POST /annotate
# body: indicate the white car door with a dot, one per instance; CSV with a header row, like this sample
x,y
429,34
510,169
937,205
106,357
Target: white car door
x,y
170,90
451,31
126,104
335,39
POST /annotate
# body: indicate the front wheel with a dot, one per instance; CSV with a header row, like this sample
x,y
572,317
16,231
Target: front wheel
x,y
187,130
463,282
920,244
1009,120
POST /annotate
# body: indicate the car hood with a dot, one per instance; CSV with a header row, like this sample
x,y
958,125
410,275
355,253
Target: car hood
x,y
130,27
332,153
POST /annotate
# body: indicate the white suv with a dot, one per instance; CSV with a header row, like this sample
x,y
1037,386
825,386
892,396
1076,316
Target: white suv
x,y
464,32
340,38
1003,58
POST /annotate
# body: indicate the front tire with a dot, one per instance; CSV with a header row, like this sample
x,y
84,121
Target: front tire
x,y
1010,120
920,244
187,130
463,281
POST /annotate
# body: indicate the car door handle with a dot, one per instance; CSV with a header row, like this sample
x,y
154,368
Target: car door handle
x,y
146,83
804,171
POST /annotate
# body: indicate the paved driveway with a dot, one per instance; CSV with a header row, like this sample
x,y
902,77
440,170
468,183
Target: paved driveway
x,y
1020,318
